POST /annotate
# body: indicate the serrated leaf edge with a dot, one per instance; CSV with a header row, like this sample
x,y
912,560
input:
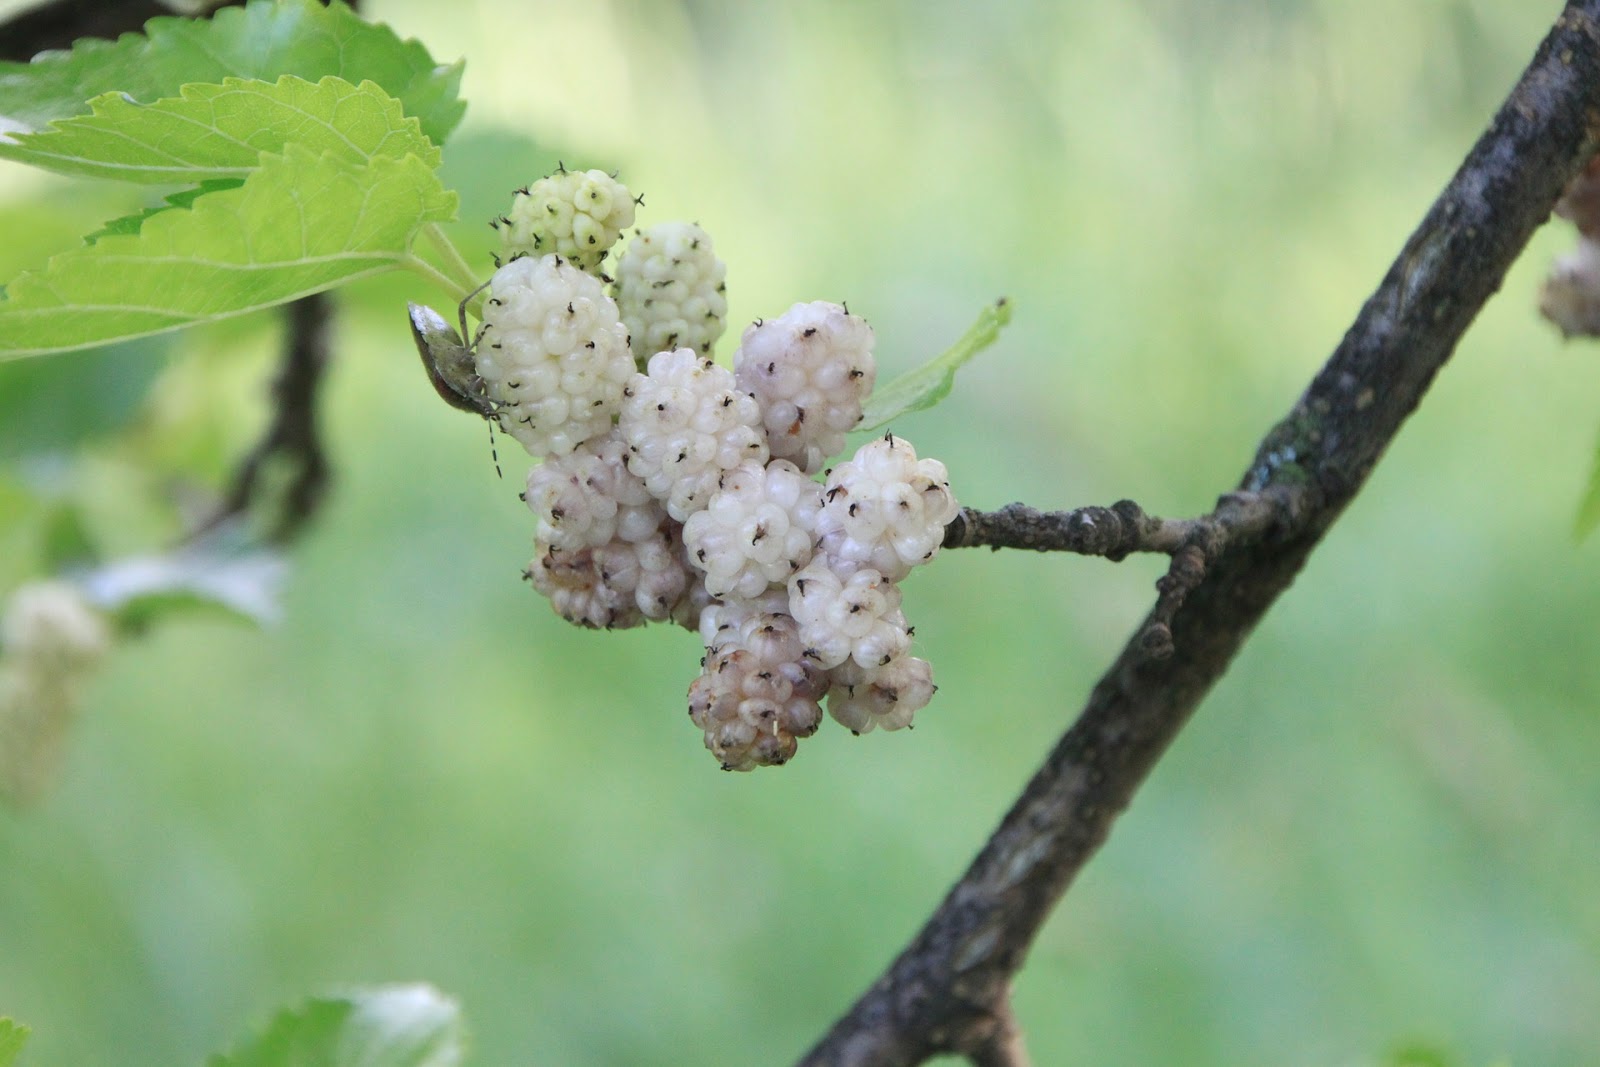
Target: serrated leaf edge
x,y
103,107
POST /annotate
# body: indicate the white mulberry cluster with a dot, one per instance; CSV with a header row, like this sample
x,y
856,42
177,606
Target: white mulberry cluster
x,y
571,213
793,607
552,354
50,640
686,422
842,605
810,368
676,489
671,291
787,613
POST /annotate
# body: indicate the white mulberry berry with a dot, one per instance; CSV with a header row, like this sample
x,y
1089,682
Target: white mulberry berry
x,y
689,611
670,288
1571,294
552,354
852,618
723,618
571,213
49,629
888,696
589,497
757,694
685,423
810,368
50,638
755,530
36,713
885,509
618,585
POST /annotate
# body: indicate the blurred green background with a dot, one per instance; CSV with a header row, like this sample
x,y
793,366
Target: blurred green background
x,y
1380,832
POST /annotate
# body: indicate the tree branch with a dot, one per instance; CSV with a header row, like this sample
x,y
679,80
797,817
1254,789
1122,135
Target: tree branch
x,y
1113,532
292,435
947,988
1003,1045
1194,544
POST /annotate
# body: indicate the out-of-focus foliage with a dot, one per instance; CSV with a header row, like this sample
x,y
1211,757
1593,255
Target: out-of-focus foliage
x,y
386,1026
1377,833
12,1038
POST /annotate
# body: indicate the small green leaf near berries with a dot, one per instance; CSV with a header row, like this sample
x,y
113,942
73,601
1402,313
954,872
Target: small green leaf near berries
x,y
930,383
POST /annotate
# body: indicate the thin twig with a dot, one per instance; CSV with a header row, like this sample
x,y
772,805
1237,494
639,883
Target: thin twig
x,y
1115,532
946,988
1122,529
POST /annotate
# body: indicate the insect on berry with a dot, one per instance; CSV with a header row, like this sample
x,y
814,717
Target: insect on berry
x,y
448,361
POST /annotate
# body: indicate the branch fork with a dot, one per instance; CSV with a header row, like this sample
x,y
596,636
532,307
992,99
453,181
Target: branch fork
x,y
1241,517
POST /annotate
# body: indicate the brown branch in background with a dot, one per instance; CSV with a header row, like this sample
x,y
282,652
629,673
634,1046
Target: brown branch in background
x,y
948,988
292,436
57,23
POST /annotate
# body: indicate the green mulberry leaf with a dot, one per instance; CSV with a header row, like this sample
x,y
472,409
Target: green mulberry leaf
x,y
298,225
211,132
262,40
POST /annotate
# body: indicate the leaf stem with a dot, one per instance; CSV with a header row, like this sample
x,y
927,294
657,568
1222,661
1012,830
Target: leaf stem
x,y
454,262
417,265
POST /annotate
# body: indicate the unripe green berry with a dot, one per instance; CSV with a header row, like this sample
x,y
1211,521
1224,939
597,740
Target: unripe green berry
x,y
575,214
